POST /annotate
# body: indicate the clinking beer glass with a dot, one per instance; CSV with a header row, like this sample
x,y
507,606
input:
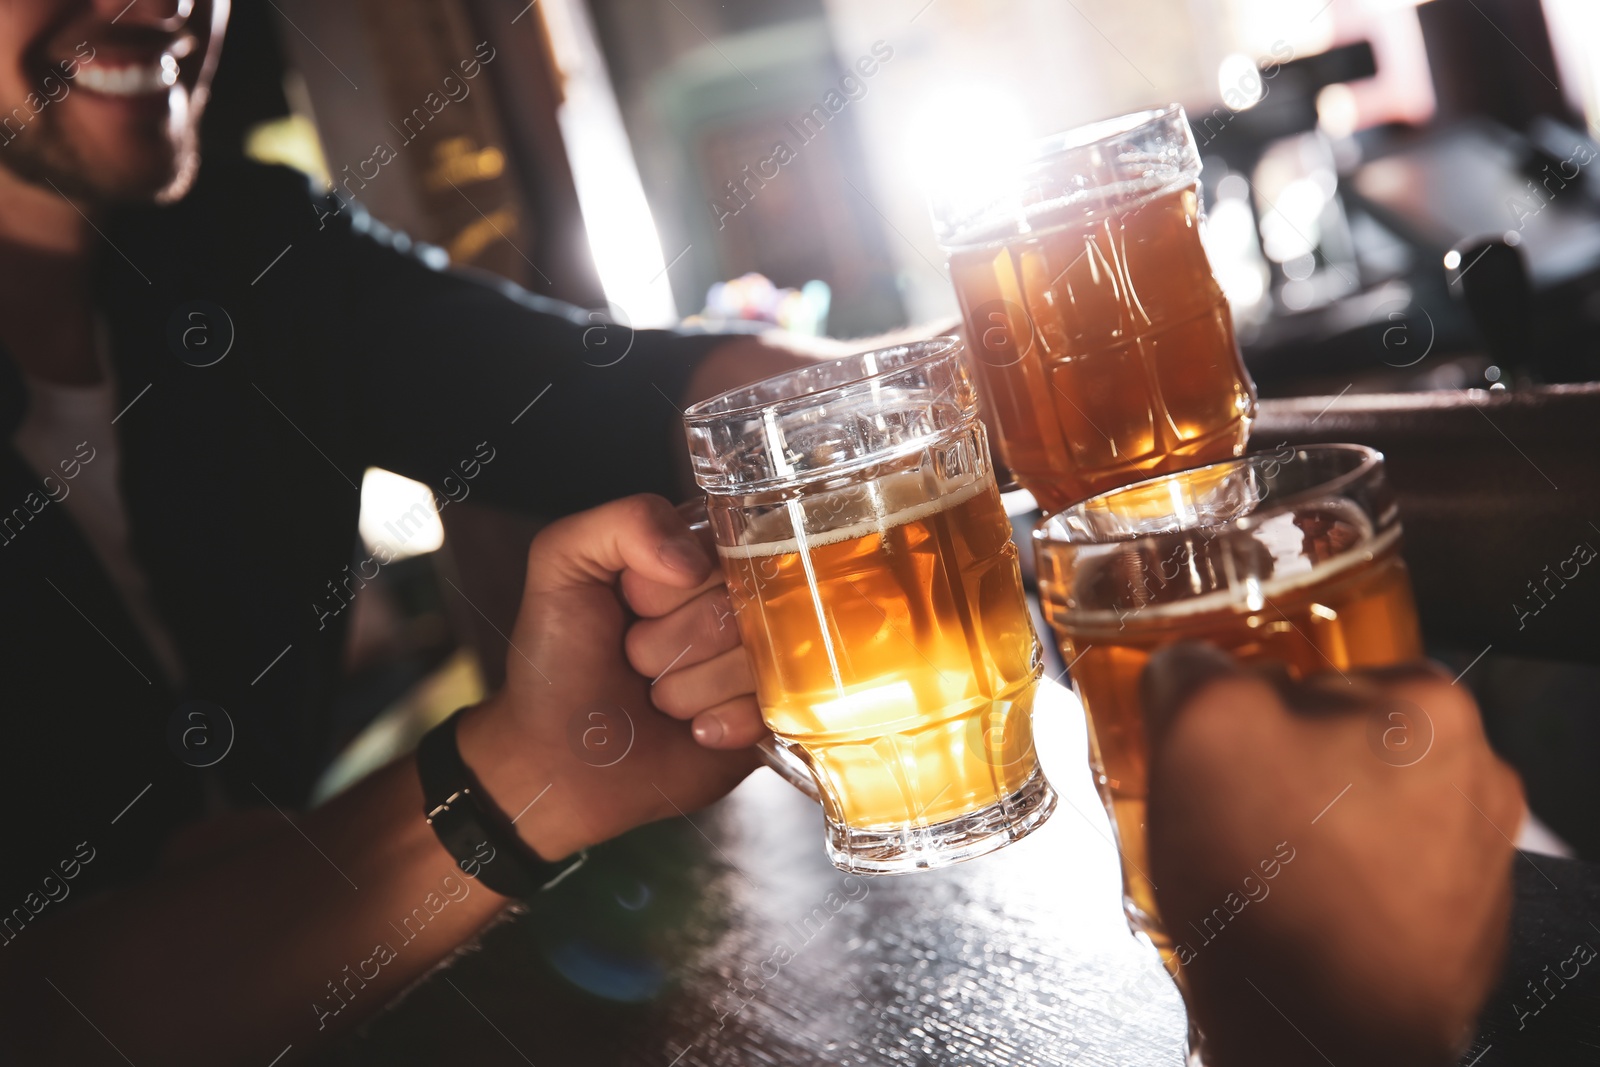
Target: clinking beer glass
x,y
1104,345
878,594
1289,558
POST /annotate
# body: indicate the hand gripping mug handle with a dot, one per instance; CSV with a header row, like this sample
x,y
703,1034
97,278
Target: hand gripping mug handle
x,y
789,766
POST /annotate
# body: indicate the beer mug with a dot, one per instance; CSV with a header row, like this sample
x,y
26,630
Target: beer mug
x,y
1103,343
877,591
1289,557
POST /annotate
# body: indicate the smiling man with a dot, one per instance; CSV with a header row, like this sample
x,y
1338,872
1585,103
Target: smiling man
x,y
173,515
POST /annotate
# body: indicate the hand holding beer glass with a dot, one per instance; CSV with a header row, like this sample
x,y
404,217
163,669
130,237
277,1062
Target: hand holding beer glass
x,y
1289,558
877,590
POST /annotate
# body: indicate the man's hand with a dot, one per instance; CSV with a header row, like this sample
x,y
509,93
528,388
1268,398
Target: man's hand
x,y
248,914
687,641
1333,859
573,733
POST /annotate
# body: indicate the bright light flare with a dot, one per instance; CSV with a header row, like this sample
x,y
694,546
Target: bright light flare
x,y
398,515
967,139
1240,83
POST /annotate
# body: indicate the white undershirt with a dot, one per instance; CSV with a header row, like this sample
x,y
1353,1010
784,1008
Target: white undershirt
x,y
59,421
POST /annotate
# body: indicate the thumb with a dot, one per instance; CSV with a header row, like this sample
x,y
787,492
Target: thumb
x,y
638,533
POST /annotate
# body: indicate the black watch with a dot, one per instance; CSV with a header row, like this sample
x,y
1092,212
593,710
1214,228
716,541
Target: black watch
x,y
472,829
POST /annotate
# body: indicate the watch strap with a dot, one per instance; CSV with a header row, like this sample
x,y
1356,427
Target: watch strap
x,y
472,828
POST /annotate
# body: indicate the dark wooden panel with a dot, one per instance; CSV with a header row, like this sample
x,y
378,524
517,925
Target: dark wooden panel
x,y
1497,490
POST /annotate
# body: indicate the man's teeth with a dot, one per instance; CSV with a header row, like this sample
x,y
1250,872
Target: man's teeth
x,y
129,80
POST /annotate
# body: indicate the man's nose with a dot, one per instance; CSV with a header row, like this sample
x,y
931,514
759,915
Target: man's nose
x,y
160,14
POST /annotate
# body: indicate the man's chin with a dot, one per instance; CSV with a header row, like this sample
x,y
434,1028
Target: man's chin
x,y
161,182
158,175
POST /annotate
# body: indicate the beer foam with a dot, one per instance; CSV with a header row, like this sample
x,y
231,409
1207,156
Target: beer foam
x,y
1238,598
823,538
1069,212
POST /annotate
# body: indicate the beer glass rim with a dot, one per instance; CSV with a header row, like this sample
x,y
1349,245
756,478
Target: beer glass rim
x,y
1099,130
811,380
1366,463
1108,164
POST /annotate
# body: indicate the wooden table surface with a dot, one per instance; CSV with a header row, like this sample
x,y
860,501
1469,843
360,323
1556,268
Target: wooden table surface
x,y
717,942
729,939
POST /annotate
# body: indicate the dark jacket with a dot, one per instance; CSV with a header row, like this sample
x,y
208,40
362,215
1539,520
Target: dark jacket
x,y
352,349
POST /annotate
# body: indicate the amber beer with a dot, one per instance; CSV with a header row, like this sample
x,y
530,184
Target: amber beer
x,y
877,592
895,648
1105,350
1103,344
1344,603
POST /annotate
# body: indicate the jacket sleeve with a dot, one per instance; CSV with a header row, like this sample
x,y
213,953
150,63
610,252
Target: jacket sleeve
x,y
486,391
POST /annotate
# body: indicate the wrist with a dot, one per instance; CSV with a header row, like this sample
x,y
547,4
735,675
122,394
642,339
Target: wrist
x,y
516,776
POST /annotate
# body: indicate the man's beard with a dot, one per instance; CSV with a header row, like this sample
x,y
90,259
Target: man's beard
x,y
44,155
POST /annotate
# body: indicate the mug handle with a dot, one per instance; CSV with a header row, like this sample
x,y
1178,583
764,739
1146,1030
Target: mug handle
x,y
789,766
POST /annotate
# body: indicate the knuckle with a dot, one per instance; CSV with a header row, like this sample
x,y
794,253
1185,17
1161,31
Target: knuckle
x,y
637,645
630,512
636,591
672,697
648,508
714,623
1452,710
541,540
635,509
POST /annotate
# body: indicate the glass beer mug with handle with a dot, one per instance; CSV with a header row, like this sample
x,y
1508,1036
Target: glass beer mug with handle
x,y
1104,343
877,591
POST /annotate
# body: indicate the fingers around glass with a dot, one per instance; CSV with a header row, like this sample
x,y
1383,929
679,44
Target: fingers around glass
x,y
695,632
685,692
734,724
